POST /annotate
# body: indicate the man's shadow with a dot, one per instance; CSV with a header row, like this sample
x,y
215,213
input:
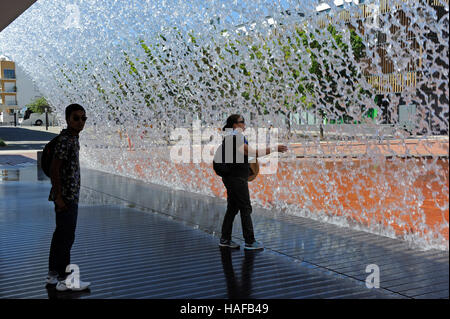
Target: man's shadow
x,y
238,289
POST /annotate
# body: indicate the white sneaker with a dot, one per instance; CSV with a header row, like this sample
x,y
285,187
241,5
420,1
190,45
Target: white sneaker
x,y
62,286
52,278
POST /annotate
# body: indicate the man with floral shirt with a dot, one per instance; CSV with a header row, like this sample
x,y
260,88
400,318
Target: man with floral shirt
x,y
65,178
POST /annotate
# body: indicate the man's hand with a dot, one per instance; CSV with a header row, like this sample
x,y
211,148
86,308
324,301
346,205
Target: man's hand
x,y
282,148
60,204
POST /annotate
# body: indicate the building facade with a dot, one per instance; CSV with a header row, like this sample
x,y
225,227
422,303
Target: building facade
x,y
16,90
8,89
392,83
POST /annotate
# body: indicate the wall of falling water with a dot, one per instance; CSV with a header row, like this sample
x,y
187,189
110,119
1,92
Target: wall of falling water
x,y
375,75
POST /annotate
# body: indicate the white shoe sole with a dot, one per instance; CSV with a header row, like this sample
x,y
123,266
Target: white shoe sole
x,y
251,248
65,288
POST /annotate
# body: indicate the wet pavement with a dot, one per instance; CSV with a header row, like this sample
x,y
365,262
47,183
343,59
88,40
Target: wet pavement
x,y
138,240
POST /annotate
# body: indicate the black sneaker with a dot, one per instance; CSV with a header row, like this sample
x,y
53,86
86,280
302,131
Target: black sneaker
x,y
229,244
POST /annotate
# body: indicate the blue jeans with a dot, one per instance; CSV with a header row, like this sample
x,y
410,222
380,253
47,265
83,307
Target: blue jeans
x,y
63,238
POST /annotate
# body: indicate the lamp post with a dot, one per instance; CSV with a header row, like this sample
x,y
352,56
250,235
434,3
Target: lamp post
x,y
46,118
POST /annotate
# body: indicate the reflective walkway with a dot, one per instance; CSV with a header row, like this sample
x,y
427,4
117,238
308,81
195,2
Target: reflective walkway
x,y
162,243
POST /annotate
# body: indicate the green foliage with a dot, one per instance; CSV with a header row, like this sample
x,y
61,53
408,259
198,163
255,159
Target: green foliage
x,y
38,105
357,45
327,90
243,69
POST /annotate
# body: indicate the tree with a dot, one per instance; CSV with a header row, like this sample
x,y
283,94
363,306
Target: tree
x,y
38,105
334,76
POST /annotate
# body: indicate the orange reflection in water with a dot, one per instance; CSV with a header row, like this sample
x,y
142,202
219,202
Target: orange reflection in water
x,y
403,193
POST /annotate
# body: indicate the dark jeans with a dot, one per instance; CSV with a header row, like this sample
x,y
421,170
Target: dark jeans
x,y
238,199
63,238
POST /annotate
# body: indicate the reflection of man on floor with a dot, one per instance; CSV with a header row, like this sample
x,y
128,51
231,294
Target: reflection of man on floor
x,y
238,289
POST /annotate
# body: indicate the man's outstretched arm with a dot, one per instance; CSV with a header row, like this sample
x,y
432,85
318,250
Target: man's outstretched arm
x,y
261,152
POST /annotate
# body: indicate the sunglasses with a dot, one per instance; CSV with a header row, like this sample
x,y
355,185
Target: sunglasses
x,y
242,121
77,118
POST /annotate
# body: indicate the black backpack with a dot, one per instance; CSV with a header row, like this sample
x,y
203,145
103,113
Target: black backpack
x,y
47,156
221,168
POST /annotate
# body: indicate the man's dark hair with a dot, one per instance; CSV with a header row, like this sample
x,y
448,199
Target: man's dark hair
x,y
72,108
232,119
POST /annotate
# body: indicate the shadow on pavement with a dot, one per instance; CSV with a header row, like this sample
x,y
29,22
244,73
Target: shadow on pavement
x,y
20,139
14,134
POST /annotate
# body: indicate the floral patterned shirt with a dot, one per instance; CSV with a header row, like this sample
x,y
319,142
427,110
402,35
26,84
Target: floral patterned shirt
x,y
67,149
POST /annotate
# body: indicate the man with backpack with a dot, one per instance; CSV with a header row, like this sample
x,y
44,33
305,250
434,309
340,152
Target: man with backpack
x,y
62,158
